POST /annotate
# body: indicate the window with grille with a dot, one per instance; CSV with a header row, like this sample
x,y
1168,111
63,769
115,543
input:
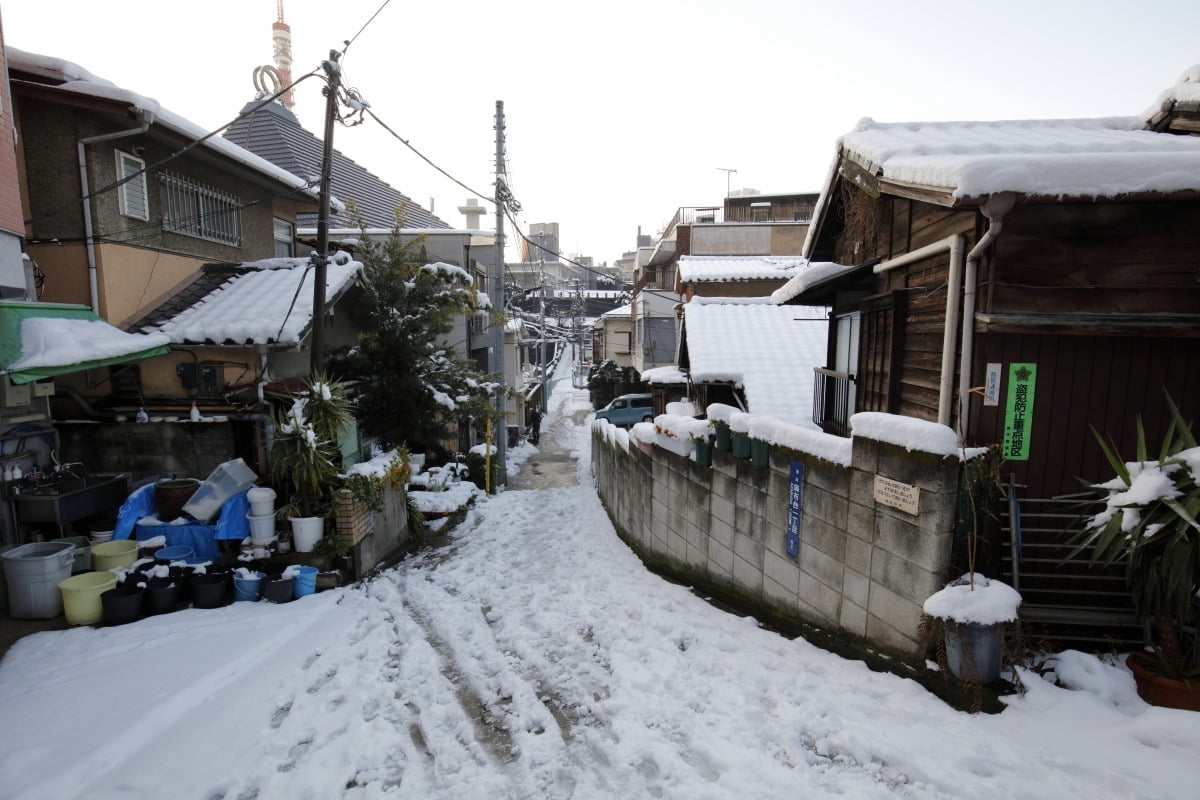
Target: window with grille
x,y
194,209
131,195
283,239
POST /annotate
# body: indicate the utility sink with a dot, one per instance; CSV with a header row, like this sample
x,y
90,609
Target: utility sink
x,y
65,498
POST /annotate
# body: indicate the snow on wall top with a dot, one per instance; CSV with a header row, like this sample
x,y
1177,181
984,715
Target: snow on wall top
x,y
260,306
767,349
1104,157
737,268
77,80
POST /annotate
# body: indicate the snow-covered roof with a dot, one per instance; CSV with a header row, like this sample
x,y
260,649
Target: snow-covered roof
x,y
1093,158
769,350
77,80
738,268
260,305
658,376
620,311
813,273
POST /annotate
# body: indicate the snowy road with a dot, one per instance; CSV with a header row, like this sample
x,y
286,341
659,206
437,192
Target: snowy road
x,y
535,657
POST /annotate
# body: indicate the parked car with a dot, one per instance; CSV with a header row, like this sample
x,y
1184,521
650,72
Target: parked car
x,y
628,409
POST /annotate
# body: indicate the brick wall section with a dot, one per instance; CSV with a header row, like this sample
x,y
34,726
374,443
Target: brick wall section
x,y
373,535
863,568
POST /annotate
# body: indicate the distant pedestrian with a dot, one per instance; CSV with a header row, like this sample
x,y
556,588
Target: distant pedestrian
x,y
535,425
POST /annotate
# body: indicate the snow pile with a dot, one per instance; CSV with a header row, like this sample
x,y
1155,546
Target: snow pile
x,y
1149,482
664,375
985,601
815,273
907,432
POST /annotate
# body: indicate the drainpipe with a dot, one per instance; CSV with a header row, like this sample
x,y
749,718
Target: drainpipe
x,y
996,207
146,118
954,244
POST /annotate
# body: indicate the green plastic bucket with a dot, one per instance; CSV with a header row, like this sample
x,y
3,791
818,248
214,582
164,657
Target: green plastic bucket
x,y
119,553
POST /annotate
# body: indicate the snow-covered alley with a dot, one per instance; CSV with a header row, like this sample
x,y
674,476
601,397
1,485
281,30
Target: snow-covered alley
x,y
535,657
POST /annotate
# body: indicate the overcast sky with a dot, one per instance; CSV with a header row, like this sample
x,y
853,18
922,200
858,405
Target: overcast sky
x,y
620,111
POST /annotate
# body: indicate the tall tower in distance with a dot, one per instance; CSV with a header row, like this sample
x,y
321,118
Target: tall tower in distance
x,y
281,37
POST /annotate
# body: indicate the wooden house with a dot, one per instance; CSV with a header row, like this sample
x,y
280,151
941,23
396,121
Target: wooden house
x,y
1022,282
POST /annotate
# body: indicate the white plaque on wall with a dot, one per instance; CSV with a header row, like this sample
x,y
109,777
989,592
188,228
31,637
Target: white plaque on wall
x,y
991,385
896,494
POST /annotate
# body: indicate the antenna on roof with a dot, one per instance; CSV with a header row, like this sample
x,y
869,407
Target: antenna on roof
x,y
727,172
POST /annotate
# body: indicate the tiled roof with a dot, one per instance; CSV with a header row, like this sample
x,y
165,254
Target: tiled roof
x,y
738,268
263,302
275,134
767,349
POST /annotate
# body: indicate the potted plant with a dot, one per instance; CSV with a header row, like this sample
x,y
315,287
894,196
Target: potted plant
x,y
305,457
1149,524
970,615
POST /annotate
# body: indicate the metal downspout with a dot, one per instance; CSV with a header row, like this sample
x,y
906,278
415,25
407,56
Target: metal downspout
x,y
954,244
996,207
146,118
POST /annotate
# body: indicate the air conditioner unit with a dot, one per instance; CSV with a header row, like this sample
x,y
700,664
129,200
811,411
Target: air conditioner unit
x,y
12,394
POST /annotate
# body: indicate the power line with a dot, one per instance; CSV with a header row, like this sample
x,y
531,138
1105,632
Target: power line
x,y
425,158
353,38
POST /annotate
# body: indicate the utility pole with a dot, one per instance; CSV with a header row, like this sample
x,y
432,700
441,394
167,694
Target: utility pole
x,y
321,261
496,295
542,278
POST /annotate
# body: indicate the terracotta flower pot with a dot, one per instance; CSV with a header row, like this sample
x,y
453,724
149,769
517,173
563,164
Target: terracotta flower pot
x,y
1159,690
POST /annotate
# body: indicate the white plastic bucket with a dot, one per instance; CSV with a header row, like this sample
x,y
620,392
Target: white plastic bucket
x,y
262,500
306,532
262,528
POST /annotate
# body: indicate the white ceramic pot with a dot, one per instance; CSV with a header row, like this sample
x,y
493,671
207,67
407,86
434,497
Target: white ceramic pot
x,y
306,532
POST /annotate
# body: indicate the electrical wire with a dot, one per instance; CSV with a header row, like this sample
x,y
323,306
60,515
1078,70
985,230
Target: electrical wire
x,y
353,38
371,113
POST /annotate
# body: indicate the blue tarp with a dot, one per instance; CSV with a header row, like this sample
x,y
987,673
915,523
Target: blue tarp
x,y
231,524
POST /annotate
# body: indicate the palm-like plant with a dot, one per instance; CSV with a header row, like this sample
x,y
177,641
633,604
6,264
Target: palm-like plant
x,y
1150,524
305,454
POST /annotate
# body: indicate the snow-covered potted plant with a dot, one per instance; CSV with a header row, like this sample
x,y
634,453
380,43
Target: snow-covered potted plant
x,y
305,457
1149,523
970,615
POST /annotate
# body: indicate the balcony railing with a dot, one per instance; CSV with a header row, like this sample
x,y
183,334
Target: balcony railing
x,y
833,400
691,215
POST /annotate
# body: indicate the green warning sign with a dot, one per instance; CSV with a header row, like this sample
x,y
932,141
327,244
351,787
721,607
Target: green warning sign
x,y
1018,415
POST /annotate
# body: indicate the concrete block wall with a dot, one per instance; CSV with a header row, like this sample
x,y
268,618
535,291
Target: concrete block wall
x,y
863,568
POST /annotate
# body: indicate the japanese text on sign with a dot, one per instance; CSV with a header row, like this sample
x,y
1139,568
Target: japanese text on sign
x,y
795,506
896,494
1018,416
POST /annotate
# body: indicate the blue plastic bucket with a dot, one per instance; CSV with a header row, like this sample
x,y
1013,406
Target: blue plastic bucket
x,y
305,581
247,588
166,555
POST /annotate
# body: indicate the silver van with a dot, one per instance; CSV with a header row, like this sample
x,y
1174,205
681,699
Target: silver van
x,y
628,409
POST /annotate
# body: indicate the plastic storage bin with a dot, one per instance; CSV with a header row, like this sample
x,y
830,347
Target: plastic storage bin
x,y
83,553
33,572
223,483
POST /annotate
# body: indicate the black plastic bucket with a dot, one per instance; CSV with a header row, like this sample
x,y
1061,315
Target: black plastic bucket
x,y
277,589
121,604
210,589
162,596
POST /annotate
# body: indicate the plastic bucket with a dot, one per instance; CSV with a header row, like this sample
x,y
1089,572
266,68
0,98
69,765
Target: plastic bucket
x,y
4,548
262,527
306,532
161,596
83,552
247,586
304,581
210,589
81,596
117,553
168,554
277,589
170,496
33,572
262,500
121,604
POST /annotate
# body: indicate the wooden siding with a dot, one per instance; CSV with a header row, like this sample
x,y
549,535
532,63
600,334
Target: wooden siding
x,y
1101,381
1128,258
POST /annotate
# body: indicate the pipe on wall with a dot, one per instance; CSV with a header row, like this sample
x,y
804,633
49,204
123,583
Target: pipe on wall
x,y
146,118
954,244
